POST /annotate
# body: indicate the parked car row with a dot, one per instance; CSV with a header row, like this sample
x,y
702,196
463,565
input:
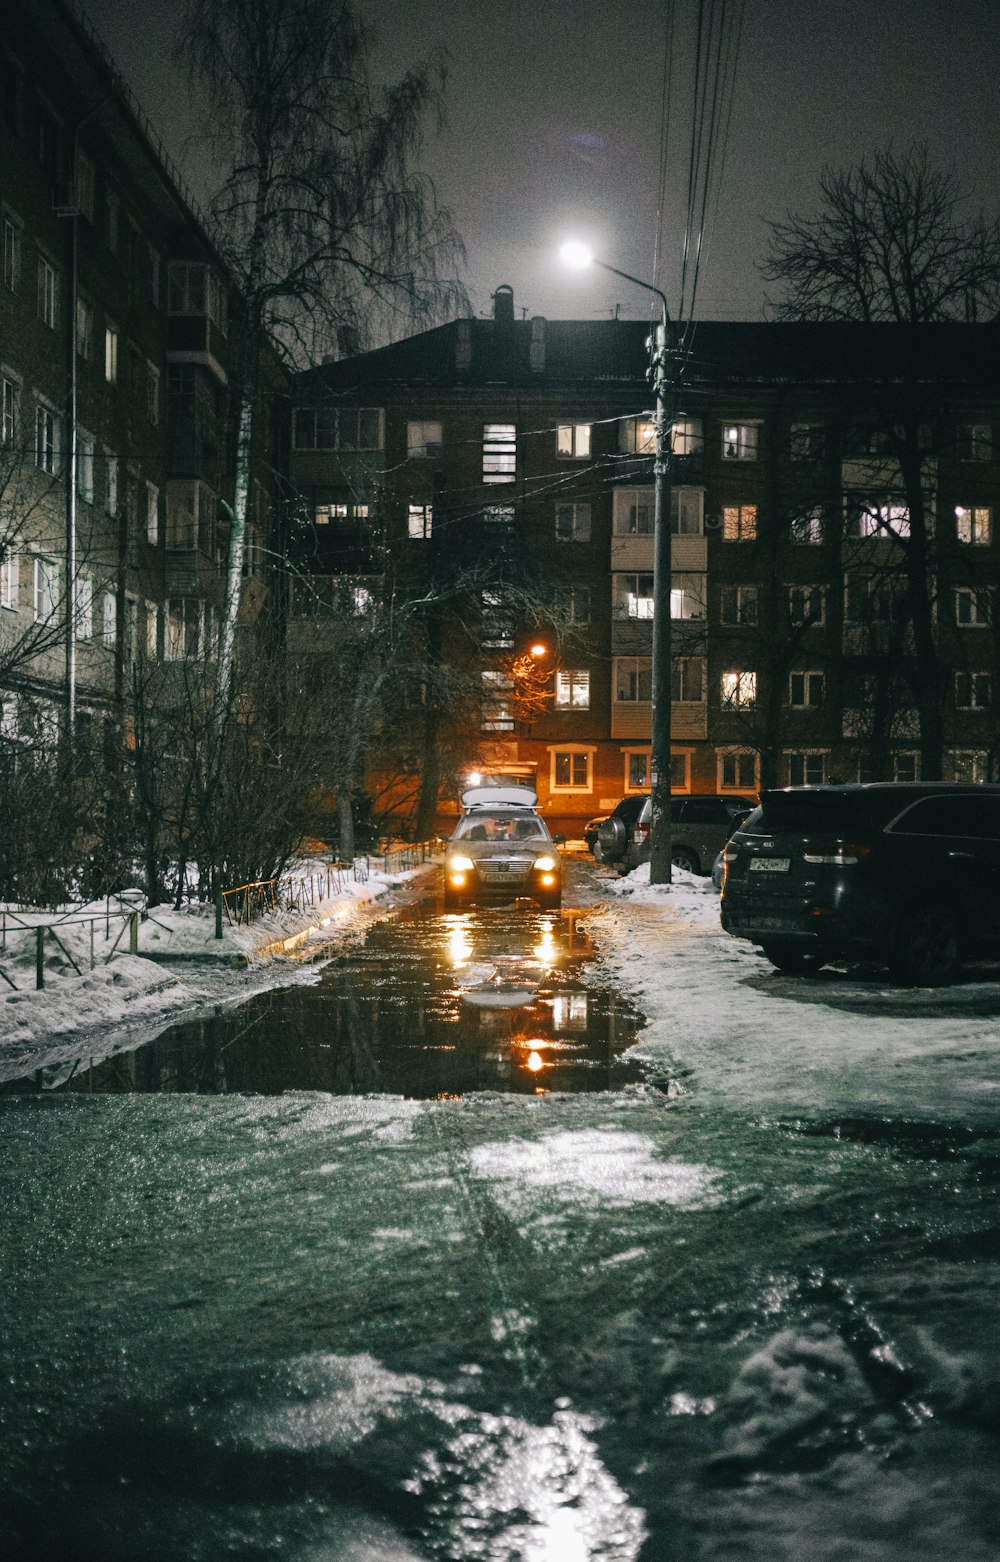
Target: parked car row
x,y
897,874
700,825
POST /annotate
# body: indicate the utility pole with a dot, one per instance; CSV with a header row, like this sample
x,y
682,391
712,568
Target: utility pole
x,y
660,854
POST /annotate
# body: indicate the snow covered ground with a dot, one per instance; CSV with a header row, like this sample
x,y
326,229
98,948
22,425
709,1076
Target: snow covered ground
x,y
723,1020
98,996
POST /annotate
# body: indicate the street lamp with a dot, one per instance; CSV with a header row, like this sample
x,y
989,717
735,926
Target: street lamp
x,y
579,257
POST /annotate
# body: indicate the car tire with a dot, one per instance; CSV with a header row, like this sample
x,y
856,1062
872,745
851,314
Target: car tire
x,y
681,857
927,949
793,961
452,902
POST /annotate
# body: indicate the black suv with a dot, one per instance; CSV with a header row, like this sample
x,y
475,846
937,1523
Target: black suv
x,y
904,875
700,825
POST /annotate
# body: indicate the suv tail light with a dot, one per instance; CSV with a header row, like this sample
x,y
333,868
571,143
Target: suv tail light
x,y
730,854
640,830
839,854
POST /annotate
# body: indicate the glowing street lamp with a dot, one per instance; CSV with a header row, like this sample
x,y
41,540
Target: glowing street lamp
x,y
579,258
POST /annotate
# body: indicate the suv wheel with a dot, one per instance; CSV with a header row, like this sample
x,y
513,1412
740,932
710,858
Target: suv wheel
x,y
682,858
793,960
928,946
612,838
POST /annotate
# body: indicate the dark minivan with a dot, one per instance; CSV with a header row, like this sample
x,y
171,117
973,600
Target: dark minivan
x,y
904,875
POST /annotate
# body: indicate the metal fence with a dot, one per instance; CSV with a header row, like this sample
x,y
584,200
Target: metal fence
x,y
303,891
102,935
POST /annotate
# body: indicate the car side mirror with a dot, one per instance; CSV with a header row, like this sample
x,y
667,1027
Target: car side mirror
x,y
560,840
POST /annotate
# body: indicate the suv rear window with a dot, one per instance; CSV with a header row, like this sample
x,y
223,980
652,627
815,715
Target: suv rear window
x,y
976,817
822,812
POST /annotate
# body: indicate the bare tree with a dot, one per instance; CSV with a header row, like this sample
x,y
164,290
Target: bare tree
x,y
321,218
892,243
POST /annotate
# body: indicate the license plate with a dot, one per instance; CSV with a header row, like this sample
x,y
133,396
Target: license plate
x,y
770,864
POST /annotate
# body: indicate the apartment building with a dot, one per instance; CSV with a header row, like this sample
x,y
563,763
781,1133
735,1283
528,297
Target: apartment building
x,y
115,353
800,624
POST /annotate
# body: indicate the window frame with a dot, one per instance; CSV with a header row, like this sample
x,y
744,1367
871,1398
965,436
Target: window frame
x,y
572,689
739,522
581,520
499,454
813,689
573,441
979,535
741,439
742,693
574,752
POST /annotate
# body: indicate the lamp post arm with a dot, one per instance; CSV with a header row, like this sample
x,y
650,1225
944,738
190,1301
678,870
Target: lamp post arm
x,y
627,277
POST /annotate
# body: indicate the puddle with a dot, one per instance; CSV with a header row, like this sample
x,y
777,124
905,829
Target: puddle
x,y
430,1005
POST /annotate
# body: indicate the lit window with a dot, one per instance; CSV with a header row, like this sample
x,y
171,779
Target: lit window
x,y
806,529
497,627
974,524
498,714
687,680
686,437
633,679
499,517
573,689
807,769
637,437
152,629
884,520
570,771
419,518
805,690
738,605
739,442
739,522
573,441
739,690
687,596
362,601
499,452
109,620
572,522
424,440
634,596
110,353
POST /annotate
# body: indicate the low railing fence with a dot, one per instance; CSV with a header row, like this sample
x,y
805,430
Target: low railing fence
x,y
86,936
247,903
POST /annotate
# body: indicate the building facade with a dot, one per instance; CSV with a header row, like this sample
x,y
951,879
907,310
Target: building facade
x,y
115,354
834,546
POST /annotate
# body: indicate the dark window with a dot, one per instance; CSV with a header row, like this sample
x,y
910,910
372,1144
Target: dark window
x,y
959,814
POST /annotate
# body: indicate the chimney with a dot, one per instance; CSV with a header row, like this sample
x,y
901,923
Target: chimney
x,y
503,306
463,347
536,351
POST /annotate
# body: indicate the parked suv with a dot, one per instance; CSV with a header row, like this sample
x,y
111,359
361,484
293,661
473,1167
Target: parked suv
x,y
901,874
700,826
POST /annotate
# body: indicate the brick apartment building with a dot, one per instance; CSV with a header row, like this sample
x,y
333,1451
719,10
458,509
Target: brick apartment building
x,y
793,645
115,347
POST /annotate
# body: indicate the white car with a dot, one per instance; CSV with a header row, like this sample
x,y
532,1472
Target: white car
x,y
501,850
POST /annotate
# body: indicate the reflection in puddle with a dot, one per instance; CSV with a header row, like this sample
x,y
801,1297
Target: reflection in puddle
x,y
428,1006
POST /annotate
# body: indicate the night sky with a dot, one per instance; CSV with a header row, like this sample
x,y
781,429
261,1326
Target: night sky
x,y
554,126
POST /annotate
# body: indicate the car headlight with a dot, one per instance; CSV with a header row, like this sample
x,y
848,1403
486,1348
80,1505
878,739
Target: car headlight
x,y
544,864
460,864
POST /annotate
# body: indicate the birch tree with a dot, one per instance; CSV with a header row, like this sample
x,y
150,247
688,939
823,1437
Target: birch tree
x,y
323,220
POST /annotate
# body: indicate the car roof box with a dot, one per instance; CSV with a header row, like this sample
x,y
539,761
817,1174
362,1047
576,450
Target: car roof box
x,y
499,797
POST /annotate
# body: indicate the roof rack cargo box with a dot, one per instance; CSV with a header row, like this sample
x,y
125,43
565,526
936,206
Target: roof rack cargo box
x,y
499,797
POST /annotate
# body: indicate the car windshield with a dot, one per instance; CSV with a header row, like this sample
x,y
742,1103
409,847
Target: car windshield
x,y
500,827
